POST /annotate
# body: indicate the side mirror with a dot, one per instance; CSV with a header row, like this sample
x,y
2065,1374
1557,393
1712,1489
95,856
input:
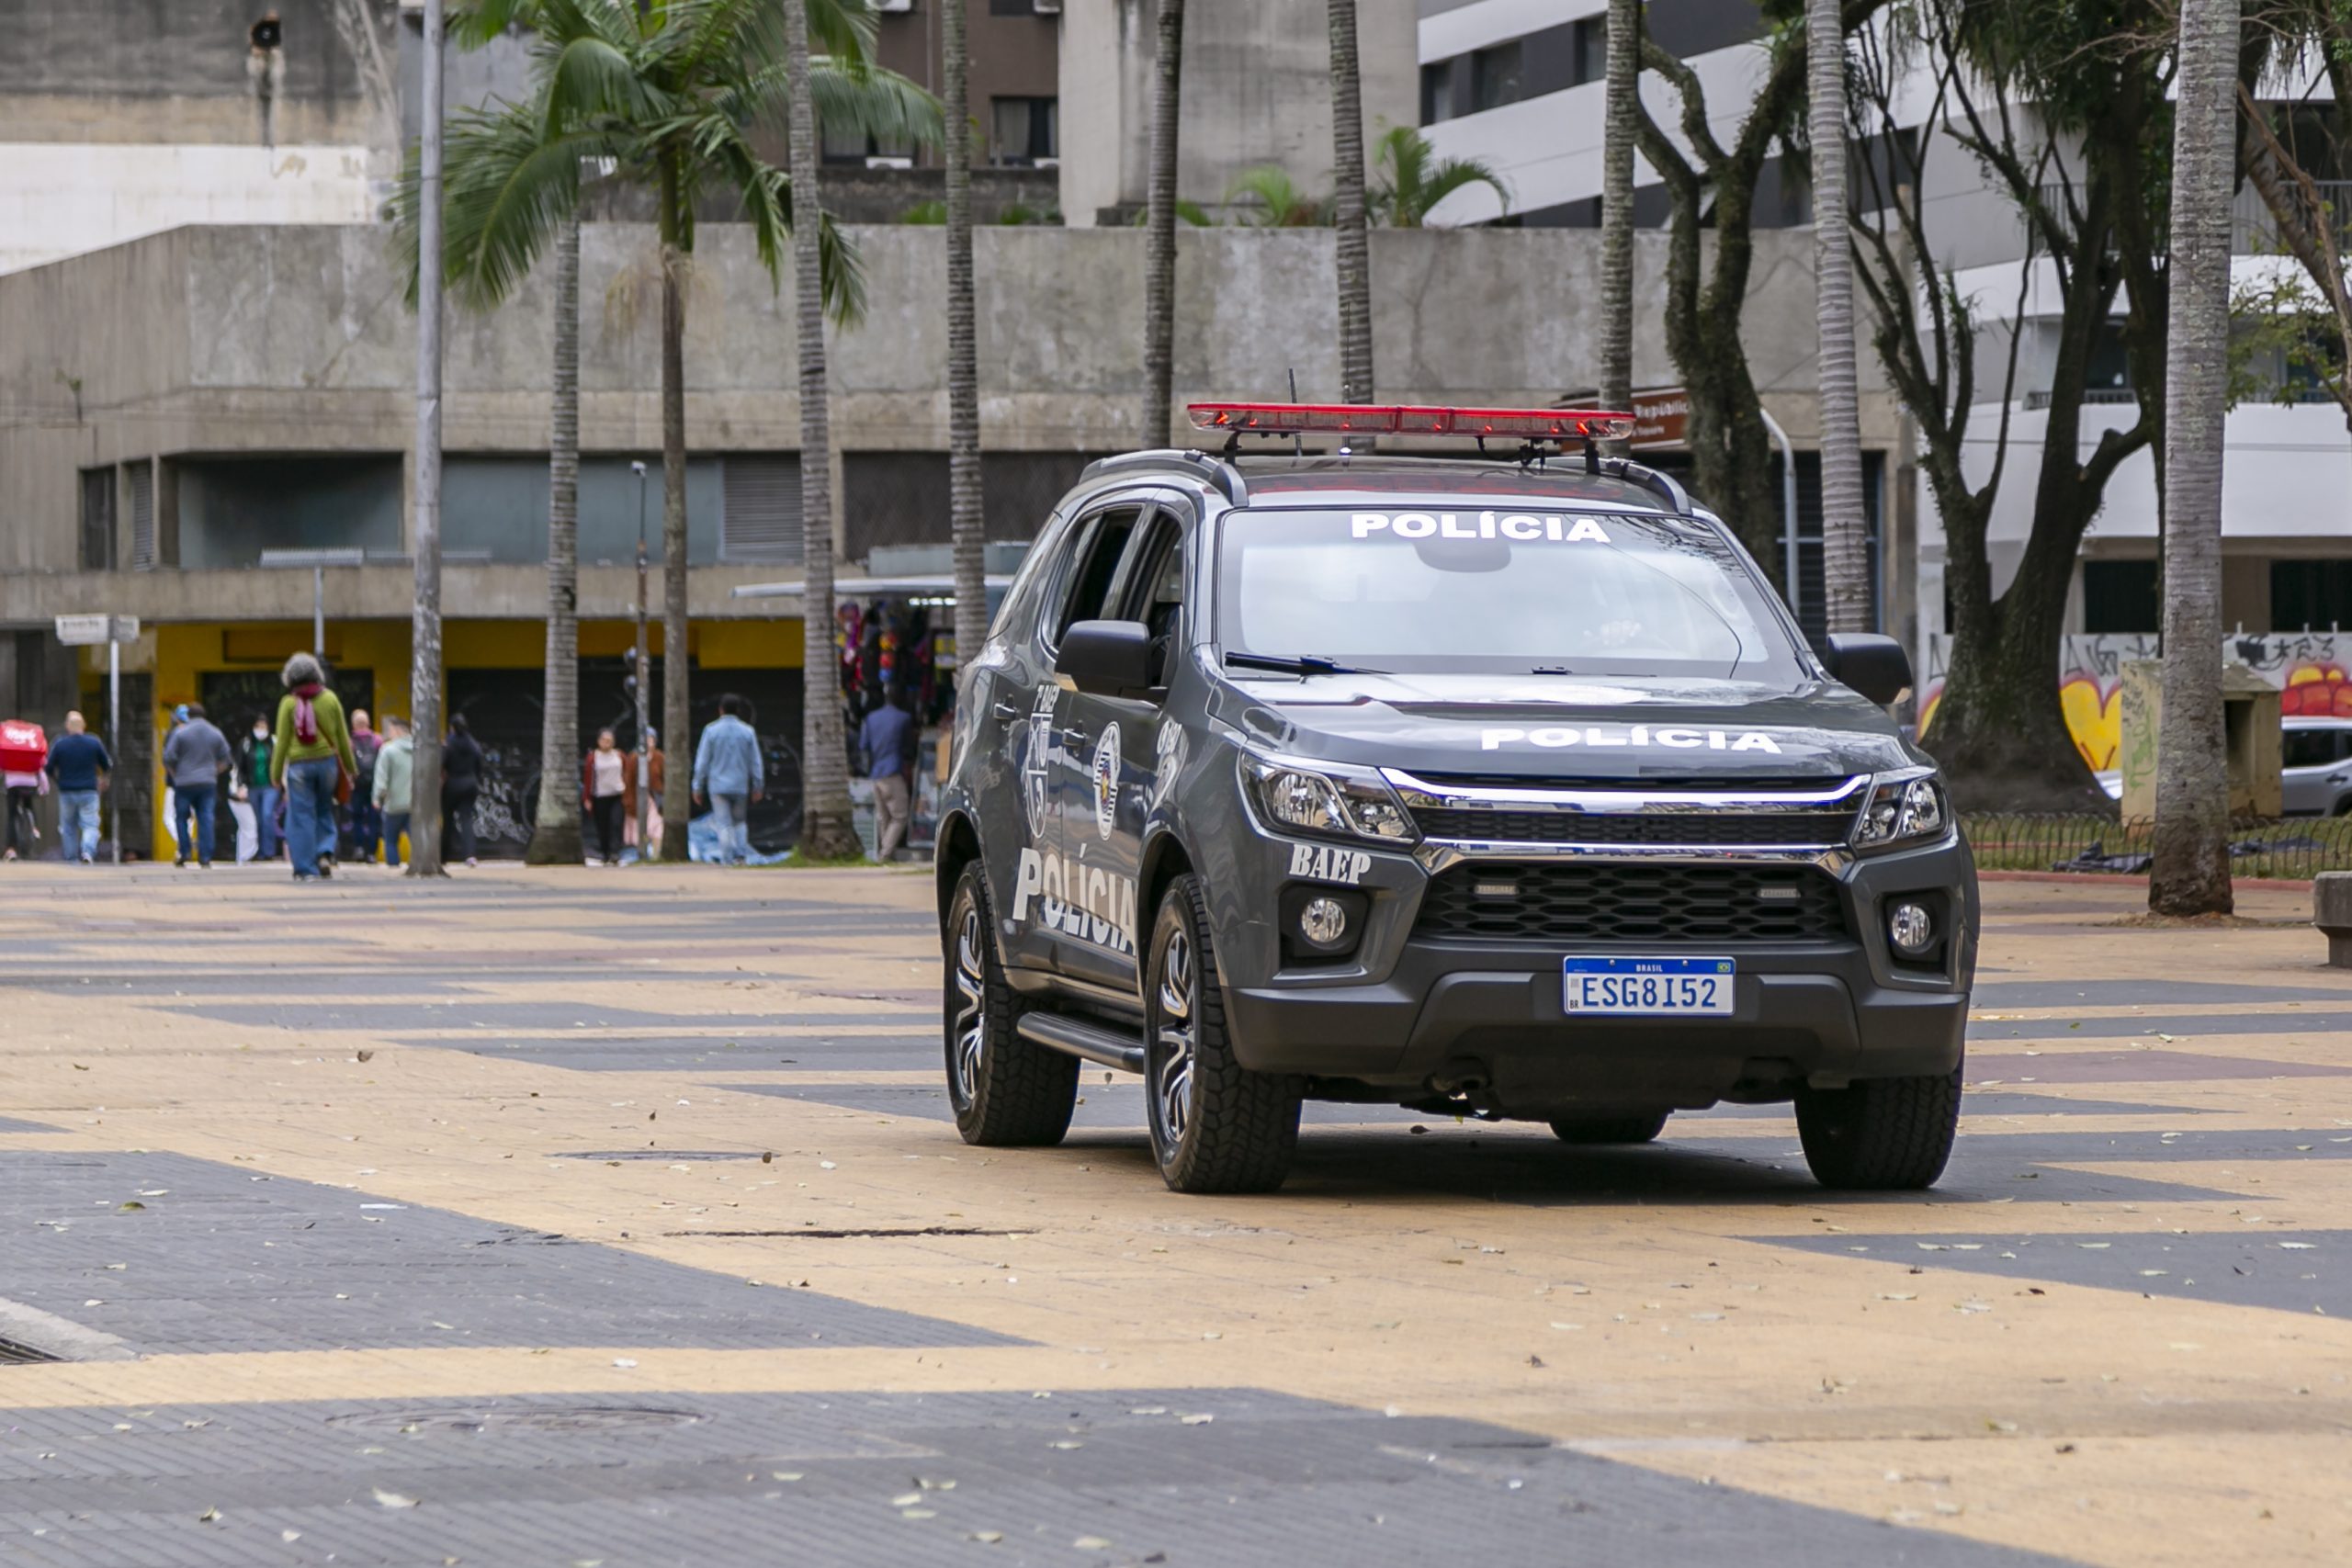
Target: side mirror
x,y
1873,665
1105,658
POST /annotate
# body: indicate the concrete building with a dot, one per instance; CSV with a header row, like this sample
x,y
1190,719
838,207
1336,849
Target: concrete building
x,y
1518,83
232,390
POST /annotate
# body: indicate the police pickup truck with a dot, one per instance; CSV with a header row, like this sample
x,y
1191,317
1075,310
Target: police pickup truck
x,y
1502,788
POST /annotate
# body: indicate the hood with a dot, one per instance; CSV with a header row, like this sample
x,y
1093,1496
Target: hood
x,y
1552,726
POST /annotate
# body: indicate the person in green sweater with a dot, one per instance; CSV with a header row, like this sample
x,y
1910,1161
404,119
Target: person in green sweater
x,y
312,757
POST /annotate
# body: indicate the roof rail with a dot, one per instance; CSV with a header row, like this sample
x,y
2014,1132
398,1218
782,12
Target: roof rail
x,y
1649,478
1204,466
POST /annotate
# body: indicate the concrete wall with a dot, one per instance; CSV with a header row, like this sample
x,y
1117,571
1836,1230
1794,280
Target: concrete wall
x,y
289,340
1257,89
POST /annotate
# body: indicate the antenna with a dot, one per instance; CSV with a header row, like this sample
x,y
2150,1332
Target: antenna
x,y
1297,442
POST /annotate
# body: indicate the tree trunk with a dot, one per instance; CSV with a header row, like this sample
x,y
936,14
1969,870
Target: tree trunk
x,y
1845,531
677,665
2191,871
1623,68
826,830
424,636
555,831
967,499
1160,231
1354,245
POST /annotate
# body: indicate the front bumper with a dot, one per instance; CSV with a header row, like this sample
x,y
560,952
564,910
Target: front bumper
x,y
1485,1021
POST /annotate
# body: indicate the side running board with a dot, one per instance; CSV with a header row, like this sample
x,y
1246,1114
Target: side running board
x,y
1084,1038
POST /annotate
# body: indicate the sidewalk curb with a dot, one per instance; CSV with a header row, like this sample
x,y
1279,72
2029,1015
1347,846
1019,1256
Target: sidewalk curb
x,y
2139,879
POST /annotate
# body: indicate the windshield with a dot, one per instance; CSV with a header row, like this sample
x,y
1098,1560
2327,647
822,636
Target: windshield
x,y
1476,590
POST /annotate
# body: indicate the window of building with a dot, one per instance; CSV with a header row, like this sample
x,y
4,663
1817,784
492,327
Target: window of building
x,y
1495,77
1437,91
142,475
2121,596
1025,131
1588,50
2310,594
760,521
97,519
1689,28
231,509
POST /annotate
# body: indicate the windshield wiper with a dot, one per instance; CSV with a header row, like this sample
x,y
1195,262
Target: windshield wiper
x,y
1301,664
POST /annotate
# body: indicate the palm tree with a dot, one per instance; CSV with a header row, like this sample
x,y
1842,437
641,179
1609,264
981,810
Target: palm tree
x,y
1354,246
1413,179
1844,532
1267,197
554,831
1623,71
670,95
826,832
967,501
1160,239
2191,871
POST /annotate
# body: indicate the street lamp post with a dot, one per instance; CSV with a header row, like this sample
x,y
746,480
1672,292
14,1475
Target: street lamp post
x,y
644,742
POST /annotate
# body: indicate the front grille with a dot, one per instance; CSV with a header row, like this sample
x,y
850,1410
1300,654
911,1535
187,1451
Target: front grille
x,y
1776,830
1567,902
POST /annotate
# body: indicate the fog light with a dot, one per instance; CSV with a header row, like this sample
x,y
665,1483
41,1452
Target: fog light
x,y
1911,928
1323,922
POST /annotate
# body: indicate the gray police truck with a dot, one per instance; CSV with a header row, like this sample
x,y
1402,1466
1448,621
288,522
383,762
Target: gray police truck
x,y
1503,787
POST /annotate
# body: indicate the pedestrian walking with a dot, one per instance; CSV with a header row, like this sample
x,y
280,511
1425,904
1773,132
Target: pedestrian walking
x,y
79,764
606,789
657,775
728,772
241,809
310,759
393,785
24,763
195,757
888,738
462,762
366,823
254,767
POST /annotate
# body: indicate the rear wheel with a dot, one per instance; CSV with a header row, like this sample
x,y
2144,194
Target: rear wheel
x,y
1881,1135
1610,1129
1006,1091
1215,1126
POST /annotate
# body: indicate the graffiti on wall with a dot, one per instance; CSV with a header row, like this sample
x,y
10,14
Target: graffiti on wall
x,y
2312,670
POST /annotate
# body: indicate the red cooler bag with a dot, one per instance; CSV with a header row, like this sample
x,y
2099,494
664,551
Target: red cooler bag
x,y
23,747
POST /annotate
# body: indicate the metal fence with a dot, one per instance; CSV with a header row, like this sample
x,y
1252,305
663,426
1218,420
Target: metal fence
x,y
2296,848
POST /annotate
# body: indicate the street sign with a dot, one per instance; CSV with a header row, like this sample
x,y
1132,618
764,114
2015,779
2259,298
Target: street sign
x,y
88,631
1661,420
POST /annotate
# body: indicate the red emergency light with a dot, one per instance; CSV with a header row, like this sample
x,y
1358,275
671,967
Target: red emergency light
x,y
1401,418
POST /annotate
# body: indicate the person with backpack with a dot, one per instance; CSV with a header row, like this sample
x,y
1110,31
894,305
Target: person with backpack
x,y
195,756
313,762
23,761
366,822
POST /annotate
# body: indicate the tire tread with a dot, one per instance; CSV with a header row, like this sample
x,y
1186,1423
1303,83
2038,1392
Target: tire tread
x,y
1026,1092
1244,1129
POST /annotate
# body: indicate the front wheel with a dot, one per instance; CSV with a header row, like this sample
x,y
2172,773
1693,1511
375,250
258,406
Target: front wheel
x,y
1006,1091
1881,1135
1215,1126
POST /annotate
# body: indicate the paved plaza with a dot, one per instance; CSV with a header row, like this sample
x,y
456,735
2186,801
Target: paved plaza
x,y
581,1217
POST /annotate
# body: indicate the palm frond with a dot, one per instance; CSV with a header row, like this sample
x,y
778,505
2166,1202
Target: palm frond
x,y
765,193
588,76
873,101
505,189
477,24
1271,199
1455,174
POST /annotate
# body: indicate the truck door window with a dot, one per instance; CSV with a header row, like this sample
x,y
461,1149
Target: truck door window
x,y
1096,566
1152,588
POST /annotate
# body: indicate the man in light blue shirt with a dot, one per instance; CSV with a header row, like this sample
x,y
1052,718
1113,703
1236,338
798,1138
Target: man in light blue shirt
x,y
729,771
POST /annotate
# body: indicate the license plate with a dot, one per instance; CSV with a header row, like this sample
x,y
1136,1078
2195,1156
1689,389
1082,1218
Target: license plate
x,y
1681,988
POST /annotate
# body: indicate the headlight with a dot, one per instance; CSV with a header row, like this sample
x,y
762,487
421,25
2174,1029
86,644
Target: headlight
x,y
1902,809
1326,801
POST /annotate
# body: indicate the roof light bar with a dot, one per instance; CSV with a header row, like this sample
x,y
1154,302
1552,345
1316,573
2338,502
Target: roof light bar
x,y
1395,419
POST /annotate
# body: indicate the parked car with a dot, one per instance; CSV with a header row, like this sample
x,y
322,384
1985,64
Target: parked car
x,y
2315,767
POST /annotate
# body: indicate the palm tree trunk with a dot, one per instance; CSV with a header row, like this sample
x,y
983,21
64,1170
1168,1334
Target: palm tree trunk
x,y
554,833
967,500
2192,873
1624,75
1354,244
1159,228
1845,530
826,832
425,635
677,703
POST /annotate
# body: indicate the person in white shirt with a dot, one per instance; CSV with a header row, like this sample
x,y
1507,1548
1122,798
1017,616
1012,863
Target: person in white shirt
x,y
604,791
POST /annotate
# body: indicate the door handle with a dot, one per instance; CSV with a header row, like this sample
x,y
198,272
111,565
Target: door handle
x,y
1004,710
1073,737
